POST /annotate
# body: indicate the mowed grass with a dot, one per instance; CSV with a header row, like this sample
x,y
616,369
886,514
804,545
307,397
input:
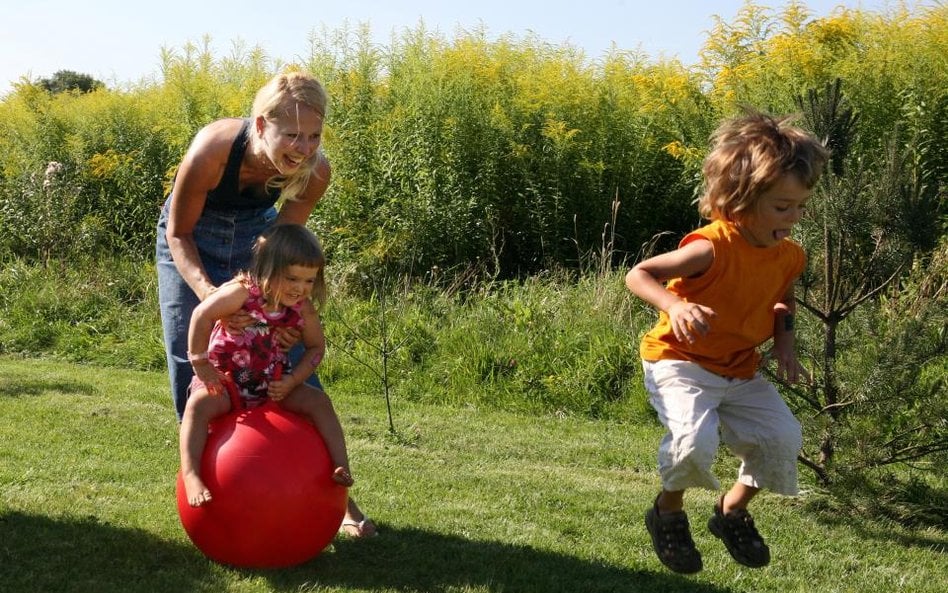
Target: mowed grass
x,y
466,501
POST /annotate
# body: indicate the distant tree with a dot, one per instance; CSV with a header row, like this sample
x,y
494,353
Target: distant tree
x,y
67,80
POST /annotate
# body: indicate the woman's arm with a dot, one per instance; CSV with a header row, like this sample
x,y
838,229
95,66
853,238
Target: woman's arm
x,y
200,171
297,211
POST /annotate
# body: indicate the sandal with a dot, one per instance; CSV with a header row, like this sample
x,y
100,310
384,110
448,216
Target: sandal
x,y
671,539
736,529
358,529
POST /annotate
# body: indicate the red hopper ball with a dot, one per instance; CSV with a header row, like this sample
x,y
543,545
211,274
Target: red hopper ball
x,y
275,503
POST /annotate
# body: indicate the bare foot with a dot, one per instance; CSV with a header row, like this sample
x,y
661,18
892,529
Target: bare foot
x,y
342,477
195,490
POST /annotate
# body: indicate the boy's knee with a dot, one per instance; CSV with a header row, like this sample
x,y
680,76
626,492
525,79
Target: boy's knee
x,y
792,442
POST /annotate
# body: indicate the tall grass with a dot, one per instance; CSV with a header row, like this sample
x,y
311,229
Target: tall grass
x,y
103,313
500,151
554,344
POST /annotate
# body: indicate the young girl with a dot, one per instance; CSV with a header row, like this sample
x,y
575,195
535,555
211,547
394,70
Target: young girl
x,y
729,289
286,272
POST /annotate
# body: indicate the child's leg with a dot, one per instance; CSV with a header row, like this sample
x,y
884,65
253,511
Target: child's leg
x,y
315,405
670,501
738,497
759,428
200,409
686,398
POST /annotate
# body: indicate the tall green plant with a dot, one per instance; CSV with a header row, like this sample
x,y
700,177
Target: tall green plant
x,y
860,248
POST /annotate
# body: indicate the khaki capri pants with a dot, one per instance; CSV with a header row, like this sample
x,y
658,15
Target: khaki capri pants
x,y
754,422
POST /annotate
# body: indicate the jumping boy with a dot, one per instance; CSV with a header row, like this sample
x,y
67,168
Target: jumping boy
x,y
729,289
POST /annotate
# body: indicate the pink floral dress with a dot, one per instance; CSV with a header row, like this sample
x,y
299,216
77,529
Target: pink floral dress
x,y
251,357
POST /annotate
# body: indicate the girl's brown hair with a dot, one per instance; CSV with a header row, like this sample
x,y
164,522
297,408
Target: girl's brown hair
x,y
748,155
282,246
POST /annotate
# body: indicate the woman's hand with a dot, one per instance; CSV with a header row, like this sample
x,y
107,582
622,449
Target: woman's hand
x,y
236,323
287,337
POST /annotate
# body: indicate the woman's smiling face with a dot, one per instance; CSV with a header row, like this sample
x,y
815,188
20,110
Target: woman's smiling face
x,y
778,209
292,139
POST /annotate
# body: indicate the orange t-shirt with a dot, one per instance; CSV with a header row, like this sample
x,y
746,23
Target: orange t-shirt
x,y
742,286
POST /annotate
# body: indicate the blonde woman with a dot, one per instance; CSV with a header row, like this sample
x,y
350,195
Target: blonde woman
x,y
225,194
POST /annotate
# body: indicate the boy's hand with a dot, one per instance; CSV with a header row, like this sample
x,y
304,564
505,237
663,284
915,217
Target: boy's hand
x,y
789,368
689,321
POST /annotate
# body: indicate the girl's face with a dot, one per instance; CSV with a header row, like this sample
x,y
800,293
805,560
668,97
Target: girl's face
x,y
295,284
777,210
292,138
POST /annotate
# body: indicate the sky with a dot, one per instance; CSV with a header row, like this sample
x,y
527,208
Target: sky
x,y
120,41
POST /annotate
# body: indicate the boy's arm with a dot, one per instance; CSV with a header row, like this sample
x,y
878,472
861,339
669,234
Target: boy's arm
x,y
646,280
784,351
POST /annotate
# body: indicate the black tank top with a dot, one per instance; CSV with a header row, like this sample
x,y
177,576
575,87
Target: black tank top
x,y
227,194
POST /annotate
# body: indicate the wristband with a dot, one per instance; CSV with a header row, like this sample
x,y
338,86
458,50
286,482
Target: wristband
x,y
197,357
788,322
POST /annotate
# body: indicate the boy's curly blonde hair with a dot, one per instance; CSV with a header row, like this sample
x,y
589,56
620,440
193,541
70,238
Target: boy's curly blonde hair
x,y
748,155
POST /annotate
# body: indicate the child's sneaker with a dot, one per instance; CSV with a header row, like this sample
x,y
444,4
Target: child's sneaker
x,y
736,529
671,538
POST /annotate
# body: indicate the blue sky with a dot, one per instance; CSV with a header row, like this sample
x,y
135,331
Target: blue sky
x,y
119,41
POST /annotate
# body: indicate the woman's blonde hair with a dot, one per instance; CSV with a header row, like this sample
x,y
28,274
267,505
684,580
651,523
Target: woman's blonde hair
x,y
269,103
282,246
748,155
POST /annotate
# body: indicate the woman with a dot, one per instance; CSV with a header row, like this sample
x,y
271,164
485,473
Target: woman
x,y
224,195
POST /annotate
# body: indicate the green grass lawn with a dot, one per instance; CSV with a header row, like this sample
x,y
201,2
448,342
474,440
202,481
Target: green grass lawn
x,y
466,500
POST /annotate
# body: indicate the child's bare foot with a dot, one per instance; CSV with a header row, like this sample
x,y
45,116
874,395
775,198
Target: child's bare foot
x,y
195,490
342,477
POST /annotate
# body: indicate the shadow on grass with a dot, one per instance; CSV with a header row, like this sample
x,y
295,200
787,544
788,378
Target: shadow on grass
x,y
33,387
41,554
416,560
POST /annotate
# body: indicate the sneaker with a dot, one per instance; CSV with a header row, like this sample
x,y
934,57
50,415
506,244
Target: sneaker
x,y
671,538
736,529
